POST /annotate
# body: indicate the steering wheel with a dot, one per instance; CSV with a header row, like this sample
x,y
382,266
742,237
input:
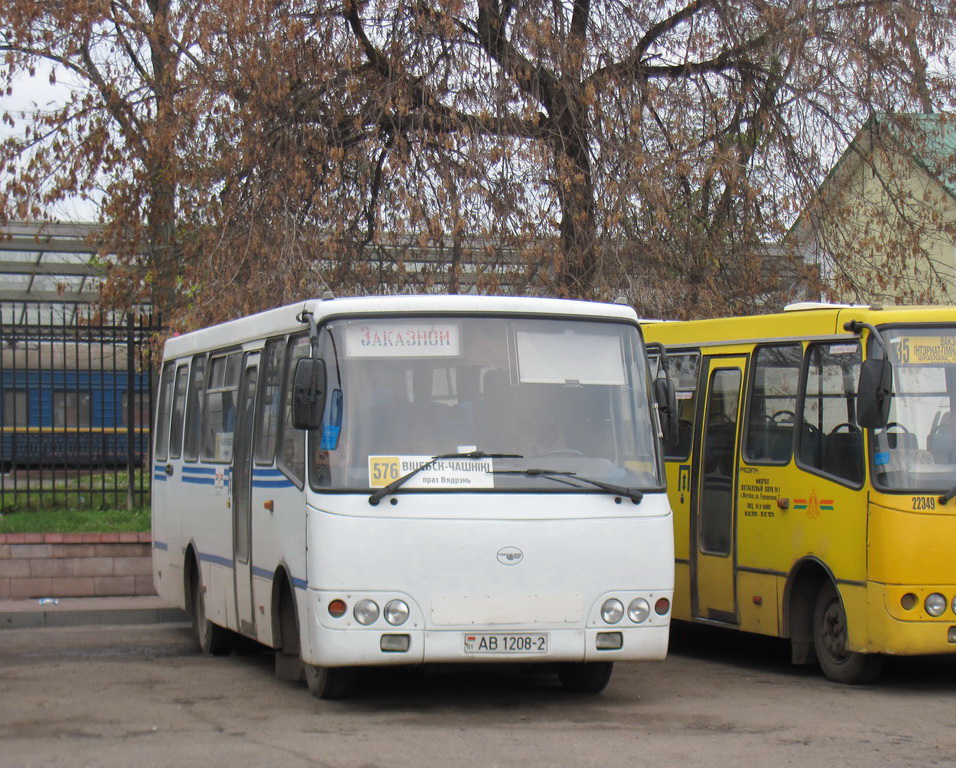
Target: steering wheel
x,y
790,414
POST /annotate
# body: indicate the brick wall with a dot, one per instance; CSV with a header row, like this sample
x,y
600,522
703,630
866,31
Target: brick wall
x,y
36,565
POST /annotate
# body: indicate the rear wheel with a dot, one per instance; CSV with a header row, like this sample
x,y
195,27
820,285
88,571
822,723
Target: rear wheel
x,y
330,682
212,639
585,677
830,643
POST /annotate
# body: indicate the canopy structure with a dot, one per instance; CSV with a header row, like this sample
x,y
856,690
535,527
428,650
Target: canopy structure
x,y
47,267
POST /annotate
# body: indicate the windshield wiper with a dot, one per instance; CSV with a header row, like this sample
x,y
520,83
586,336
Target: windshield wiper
x,y
566,477
393,486
950,494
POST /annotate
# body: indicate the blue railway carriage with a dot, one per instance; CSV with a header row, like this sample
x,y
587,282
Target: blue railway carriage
x,y
72,406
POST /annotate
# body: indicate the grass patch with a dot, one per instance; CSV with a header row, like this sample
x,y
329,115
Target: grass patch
x,y
88,503
75,521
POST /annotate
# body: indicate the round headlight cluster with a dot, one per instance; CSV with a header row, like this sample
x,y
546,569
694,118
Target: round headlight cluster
x,y
612,611
935,604
638,610
396,612
367,612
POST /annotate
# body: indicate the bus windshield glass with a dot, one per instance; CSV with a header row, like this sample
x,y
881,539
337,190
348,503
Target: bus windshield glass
x,y
916,451
559,394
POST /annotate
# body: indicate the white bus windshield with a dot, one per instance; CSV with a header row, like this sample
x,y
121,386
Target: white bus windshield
x,y
557,394
916,452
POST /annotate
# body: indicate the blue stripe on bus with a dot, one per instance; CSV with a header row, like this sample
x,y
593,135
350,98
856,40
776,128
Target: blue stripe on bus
x,y
256,570
199,470
199,480
283,483
267,472
158,476
216,560
160,545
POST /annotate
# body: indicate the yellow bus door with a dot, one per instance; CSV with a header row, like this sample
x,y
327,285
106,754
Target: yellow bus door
x,y
713,529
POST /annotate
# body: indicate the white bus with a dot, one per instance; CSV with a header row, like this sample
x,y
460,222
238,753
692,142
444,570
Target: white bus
x,y
422,479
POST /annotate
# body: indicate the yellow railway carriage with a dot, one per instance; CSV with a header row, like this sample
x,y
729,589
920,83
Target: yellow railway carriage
x,y
813,479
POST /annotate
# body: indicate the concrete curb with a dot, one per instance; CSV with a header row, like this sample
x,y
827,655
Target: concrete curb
x,y
78,612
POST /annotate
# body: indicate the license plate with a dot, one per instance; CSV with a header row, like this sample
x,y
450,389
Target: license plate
x,y
506,642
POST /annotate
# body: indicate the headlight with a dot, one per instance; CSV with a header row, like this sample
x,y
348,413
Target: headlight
x,y
935,604
365,612
954,605
396,613
638,610
612,611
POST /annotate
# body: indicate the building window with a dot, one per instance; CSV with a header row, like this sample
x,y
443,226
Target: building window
x,y
72,409
15,408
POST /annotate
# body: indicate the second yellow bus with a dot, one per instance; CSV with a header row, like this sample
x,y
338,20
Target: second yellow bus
x,y
814,477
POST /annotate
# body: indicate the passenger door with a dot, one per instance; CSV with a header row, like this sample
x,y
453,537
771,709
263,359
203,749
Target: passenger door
x,y
713,529
242,496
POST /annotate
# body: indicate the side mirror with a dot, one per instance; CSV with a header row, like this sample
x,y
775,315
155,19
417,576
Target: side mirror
x,y
665,395
308,393
874,393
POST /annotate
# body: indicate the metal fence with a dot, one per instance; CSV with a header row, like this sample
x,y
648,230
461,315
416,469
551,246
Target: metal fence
x,y
75,408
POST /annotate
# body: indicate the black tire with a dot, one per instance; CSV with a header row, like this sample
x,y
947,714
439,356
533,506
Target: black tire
x,y
830,640
330,682
212,639
585,677
289,666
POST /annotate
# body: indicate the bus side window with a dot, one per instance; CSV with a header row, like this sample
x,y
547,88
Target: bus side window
x,y
162,412
771,418
179,407
684,368
194,396
270,388
291,441
830,439
220,407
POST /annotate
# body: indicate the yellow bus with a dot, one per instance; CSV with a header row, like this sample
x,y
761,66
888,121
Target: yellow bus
x,y
813,479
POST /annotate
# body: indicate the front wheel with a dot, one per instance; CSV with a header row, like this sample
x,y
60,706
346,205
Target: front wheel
x,y
830,643
585,677
330,682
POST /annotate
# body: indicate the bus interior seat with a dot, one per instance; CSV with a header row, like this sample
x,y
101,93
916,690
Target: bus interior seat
x,y
770,441
843,453
810,448
685,434
901,440
422,428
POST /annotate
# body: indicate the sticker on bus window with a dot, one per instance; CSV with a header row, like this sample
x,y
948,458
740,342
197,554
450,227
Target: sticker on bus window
x,y
448,473
401,338
925,350
843,349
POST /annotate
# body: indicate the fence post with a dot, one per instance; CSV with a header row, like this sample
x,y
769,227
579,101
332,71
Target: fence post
x,y
130,430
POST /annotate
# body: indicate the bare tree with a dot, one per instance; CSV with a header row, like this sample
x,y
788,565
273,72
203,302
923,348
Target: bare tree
x,y
567,147
115,136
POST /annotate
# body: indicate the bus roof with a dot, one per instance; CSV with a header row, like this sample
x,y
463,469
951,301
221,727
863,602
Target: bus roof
x,y
798,322
281,320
